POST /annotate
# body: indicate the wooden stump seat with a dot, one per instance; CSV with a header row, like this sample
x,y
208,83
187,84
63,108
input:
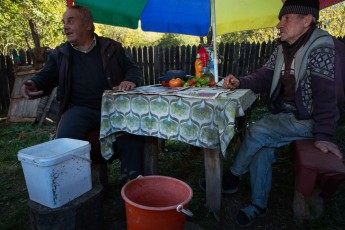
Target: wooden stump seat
x,y
318,176
84,212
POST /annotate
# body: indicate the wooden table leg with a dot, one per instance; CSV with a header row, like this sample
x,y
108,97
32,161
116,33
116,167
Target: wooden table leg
x,y
150,155
213,171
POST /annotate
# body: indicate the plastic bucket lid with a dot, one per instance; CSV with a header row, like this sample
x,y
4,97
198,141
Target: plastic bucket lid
x,y
53,152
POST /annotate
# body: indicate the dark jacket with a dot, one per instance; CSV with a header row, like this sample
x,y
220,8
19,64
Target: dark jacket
x,y
56,72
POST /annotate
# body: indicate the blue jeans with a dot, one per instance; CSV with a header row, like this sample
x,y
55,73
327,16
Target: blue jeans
x,y
257,152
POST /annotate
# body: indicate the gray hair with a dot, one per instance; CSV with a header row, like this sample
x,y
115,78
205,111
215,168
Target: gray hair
x,y
85,13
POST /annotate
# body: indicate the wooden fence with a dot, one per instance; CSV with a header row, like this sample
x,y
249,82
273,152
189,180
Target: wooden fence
x,y
6,82
236,58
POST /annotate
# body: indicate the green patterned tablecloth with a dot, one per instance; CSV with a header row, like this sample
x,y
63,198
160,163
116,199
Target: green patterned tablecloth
x,y
207,123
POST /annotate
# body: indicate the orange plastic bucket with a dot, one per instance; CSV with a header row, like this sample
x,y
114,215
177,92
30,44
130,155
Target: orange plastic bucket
x,y
156,203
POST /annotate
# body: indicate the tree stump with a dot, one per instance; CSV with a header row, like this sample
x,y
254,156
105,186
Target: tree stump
x,y
84,212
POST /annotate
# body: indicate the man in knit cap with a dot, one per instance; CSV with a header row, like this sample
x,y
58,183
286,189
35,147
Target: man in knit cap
x,y
304,79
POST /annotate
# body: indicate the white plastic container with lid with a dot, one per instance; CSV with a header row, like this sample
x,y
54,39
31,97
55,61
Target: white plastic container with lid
x,y
57,171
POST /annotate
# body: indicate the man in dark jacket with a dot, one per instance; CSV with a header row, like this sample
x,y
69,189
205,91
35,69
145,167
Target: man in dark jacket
x,y
83,68
304,78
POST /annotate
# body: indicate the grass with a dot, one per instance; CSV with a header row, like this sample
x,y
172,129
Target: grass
x,y
14,195
177,160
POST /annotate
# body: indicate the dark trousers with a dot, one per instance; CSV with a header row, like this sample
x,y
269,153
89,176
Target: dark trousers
x,y
77,121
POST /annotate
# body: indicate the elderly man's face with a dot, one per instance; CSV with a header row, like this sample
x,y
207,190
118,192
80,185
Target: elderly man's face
x,y
292,26
75,29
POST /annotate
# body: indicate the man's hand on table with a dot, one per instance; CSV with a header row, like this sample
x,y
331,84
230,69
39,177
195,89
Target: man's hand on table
x,y
125,85
329,147
231,82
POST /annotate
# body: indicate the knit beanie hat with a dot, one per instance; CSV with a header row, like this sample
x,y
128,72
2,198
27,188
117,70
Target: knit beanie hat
x,y
304,7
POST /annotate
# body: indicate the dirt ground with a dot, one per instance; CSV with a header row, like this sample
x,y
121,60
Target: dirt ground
x,y
177,161
280,214
190,167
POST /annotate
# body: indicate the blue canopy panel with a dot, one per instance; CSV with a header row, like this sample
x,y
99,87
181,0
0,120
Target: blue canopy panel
x,y
177,16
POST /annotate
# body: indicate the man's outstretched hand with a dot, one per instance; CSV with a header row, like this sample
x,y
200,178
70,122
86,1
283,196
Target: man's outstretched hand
x,y
29,90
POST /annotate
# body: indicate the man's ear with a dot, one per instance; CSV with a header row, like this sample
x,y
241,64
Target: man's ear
x,y
90,26
308,19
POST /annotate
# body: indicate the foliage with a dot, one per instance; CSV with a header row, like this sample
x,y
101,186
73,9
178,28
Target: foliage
x,y
47,14
136,38
332,19
128,37
14,23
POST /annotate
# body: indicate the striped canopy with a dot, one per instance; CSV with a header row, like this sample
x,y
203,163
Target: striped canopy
x,y
191,17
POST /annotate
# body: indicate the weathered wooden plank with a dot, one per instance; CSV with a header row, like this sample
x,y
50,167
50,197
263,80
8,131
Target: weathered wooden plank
x,y
183,58
246,54
135,55
262,53
156,63
177,57
21,109
150,66
189,67
236,57
171,58
267,51
145,66
3,85
251,59
220,60
231,59
192,60
257,56
166,59
140,60
161,61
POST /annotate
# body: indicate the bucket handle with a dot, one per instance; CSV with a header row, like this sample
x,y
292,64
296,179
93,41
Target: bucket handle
x,y
180,208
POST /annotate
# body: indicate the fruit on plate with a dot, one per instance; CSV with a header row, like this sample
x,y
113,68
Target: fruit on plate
x,y
175,82
199,82
165,83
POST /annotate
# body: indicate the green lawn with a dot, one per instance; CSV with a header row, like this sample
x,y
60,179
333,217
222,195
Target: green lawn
x,y
177,160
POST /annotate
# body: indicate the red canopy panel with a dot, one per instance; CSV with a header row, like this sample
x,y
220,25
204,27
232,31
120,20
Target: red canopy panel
x,y
69,2
327,3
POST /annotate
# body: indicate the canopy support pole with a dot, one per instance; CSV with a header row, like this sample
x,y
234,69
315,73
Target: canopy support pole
x,y
215,53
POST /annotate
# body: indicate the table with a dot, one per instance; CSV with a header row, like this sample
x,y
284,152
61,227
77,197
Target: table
x,y
204,122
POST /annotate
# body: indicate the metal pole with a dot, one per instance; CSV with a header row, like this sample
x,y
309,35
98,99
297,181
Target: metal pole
x,y
214,38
